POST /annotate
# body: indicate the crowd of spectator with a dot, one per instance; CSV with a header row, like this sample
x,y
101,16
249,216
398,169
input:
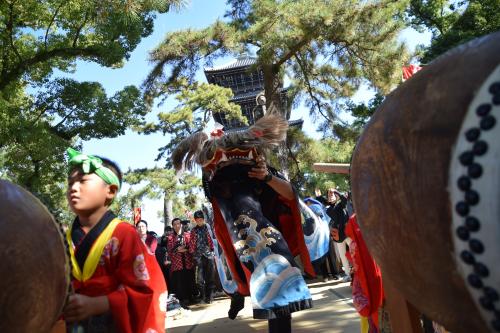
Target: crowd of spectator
x,y
185,253
335,209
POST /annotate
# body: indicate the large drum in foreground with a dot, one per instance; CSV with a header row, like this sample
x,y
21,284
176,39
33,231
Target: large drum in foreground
x,y
34,272
426,185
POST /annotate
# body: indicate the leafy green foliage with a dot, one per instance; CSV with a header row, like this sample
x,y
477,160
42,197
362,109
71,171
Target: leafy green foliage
x,y
453,22
304,152
360,115
42,116
41,128
39,36
160,184
82,109
337,146
326,48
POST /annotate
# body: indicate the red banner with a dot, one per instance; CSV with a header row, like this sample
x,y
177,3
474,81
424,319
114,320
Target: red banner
x,y
409,71
137,215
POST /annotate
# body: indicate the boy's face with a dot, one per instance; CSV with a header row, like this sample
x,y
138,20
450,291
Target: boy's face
x,y
200,221
88,192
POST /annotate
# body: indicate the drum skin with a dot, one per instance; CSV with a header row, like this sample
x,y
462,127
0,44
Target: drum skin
x,y
400,175
34,271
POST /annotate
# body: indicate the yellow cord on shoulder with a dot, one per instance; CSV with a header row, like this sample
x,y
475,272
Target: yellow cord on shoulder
x,y
94,255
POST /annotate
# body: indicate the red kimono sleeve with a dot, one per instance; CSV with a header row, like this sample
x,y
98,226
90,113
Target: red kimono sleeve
x,y
139,303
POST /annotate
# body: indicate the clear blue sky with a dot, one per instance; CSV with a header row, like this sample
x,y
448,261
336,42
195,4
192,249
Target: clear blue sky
x,y
137,151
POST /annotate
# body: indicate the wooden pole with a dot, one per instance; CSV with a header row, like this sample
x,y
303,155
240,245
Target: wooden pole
x,y
340,168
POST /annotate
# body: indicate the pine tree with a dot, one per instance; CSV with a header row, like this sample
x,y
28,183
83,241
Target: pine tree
x,y
325,48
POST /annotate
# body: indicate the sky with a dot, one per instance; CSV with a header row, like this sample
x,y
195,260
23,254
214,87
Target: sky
x,y
132,150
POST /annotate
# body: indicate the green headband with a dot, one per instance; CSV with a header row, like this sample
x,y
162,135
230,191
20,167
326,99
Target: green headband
x,y
92,164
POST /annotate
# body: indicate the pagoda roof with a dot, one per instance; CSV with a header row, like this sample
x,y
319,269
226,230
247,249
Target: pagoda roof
x,y
252,94
238,63
291,123
245,95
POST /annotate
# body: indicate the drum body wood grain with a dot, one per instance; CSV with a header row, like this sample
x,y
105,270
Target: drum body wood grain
x,y
401,183
34,268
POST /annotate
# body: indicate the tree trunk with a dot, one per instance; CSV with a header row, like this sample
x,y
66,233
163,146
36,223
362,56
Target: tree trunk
x,y
168,210
272,84
32,182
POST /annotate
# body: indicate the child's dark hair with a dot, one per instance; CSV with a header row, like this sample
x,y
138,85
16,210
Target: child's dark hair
x,y
143,221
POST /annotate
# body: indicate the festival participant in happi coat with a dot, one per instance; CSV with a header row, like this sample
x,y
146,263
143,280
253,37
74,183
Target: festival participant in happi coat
x,y
182,263
118,285
202,247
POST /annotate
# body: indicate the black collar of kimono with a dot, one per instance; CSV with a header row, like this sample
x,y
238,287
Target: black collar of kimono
x,y
83,242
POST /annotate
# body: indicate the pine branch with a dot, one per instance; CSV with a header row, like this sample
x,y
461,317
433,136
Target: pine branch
x,y
293,50
43,56
79,29
50,23
65,118
426,18
309,88
10,29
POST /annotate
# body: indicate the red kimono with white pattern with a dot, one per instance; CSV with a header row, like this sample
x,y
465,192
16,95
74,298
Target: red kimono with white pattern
x,y
130,277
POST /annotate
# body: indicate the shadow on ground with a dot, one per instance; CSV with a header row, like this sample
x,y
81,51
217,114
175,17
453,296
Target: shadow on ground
x,y
333,312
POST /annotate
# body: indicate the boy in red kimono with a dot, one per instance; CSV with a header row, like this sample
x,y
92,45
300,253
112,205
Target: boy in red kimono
x,y
118,285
